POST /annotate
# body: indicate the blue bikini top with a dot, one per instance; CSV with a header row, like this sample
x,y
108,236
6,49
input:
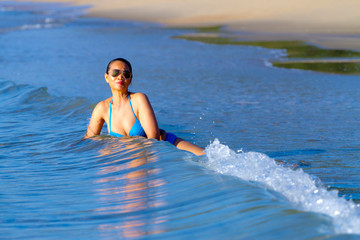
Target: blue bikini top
x,y
136,129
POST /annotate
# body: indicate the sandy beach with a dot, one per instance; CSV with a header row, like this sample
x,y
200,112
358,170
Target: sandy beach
x,y
330,23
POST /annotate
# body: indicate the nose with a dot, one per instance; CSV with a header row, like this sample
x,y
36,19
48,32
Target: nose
x,y
120,76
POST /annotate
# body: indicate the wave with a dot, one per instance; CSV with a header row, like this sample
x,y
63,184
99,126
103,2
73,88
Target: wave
x,y
48,126
26,16
24,98
301,189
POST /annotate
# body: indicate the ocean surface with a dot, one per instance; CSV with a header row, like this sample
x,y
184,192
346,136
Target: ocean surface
x,y
282,146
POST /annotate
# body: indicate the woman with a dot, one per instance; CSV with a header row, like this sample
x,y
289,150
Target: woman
x,y
129,114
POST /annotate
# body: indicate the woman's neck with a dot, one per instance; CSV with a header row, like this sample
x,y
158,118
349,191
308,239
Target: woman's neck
x,y
119,98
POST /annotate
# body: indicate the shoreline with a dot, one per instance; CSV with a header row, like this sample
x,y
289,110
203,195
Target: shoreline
x,y
326,23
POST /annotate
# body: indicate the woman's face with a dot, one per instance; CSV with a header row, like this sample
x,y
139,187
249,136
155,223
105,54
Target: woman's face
x,y
119,76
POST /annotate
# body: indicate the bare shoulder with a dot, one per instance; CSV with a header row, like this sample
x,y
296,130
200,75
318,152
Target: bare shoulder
x,y
102,107
139,97
141,104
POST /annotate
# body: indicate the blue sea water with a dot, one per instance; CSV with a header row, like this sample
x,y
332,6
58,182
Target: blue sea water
x,y
282,146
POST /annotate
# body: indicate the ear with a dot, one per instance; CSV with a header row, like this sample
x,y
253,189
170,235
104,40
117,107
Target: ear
x,y
106,77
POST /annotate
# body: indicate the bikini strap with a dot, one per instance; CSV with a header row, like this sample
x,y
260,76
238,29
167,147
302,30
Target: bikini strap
x,y
132,108
110,115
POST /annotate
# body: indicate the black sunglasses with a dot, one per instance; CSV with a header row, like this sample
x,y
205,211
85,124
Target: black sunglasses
x,y
115,73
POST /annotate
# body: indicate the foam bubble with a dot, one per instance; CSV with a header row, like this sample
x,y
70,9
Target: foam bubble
x,y
301,189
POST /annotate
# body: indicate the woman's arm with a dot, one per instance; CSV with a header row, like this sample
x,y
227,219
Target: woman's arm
x,y
147,116
96,121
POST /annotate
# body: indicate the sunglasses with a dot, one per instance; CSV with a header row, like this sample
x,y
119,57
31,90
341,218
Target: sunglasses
x,y
115,73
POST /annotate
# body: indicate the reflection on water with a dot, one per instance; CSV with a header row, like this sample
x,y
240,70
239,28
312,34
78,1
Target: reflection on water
x,y
130,187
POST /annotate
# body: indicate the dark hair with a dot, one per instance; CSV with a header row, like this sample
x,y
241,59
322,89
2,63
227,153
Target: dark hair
x,y
121,60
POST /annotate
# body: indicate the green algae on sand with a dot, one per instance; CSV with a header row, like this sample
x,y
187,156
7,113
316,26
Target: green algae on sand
x,y
328,60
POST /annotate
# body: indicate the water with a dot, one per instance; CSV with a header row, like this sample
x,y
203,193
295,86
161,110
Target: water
x,y
282,145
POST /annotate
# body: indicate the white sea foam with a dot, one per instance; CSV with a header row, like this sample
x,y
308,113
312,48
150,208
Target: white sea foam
x,y
267,63
31,26
276,54
302,190
49,20
279,53
36,26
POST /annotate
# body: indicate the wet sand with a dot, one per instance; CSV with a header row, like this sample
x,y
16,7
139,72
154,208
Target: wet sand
x,y
328,23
